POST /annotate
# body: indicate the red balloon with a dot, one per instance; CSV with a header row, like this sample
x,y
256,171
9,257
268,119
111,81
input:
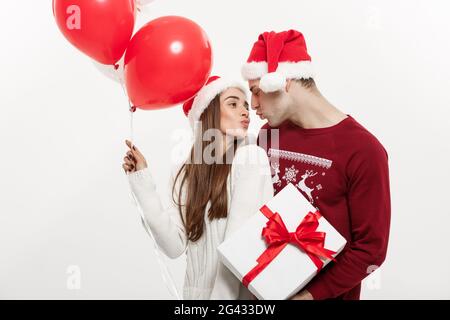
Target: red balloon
x,y
167,62
99,28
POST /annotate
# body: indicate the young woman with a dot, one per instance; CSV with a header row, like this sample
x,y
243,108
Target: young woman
x,y
213,194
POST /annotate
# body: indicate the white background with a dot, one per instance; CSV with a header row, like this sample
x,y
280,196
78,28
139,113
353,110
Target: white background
x,y
65,201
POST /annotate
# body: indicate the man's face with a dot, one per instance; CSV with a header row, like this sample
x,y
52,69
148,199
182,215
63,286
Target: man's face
x,y
270,106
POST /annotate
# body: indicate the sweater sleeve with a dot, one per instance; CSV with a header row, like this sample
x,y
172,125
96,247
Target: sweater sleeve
x,y
251,187
165,223
369,208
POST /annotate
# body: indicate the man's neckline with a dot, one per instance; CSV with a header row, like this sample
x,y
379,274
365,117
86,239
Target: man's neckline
x,y
328,129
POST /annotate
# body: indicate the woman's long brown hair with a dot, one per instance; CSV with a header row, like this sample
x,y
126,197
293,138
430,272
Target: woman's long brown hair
x,y
203,182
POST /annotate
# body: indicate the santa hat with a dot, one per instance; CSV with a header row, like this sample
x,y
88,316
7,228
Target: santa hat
x,y
276,57
194,107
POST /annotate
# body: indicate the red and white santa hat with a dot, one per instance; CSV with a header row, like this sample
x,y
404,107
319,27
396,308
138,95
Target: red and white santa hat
x,y
276,57
194,107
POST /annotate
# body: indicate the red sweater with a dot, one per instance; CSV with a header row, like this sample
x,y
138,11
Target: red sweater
x,y
343,171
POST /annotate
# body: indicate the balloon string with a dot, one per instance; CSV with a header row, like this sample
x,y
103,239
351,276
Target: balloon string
x,y
166,275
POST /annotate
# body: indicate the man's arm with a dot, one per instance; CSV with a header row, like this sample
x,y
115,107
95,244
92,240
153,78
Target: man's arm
x,y
369,215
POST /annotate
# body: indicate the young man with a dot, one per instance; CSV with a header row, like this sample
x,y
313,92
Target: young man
x,y
337,164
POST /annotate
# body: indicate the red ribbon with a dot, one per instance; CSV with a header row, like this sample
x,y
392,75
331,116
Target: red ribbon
x,y
277,237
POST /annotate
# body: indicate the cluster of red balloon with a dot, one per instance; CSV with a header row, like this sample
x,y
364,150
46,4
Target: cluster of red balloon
x,y
166,62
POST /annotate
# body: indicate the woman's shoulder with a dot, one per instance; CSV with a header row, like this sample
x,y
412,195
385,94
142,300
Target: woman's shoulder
x,y
249,154
251,167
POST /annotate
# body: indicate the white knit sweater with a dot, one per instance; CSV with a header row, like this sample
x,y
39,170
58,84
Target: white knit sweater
x,y
249,186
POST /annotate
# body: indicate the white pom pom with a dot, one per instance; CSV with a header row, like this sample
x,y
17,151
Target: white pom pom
x,y
271,82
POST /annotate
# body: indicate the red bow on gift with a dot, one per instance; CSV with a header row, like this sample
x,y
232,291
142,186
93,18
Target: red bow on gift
x,y
277,237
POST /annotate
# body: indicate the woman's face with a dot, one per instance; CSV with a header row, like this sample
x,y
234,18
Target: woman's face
x,y
234,114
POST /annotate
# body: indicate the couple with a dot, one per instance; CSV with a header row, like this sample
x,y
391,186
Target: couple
x,y
338,165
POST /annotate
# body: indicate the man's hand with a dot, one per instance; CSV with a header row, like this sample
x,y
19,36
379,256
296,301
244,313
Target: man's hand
x,y
303,295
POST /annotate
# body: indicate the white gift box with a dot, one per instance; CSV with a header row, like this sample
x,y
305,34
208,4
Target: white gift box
x,y
292,268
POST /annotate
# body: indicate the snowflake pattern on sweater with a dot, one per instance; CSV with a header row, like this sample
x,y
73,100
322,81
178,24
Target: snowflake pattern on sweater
x,y
311,169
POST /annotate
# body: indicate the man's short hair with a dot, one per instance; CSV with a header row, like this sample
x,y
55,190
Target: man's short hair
x,y
307,83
